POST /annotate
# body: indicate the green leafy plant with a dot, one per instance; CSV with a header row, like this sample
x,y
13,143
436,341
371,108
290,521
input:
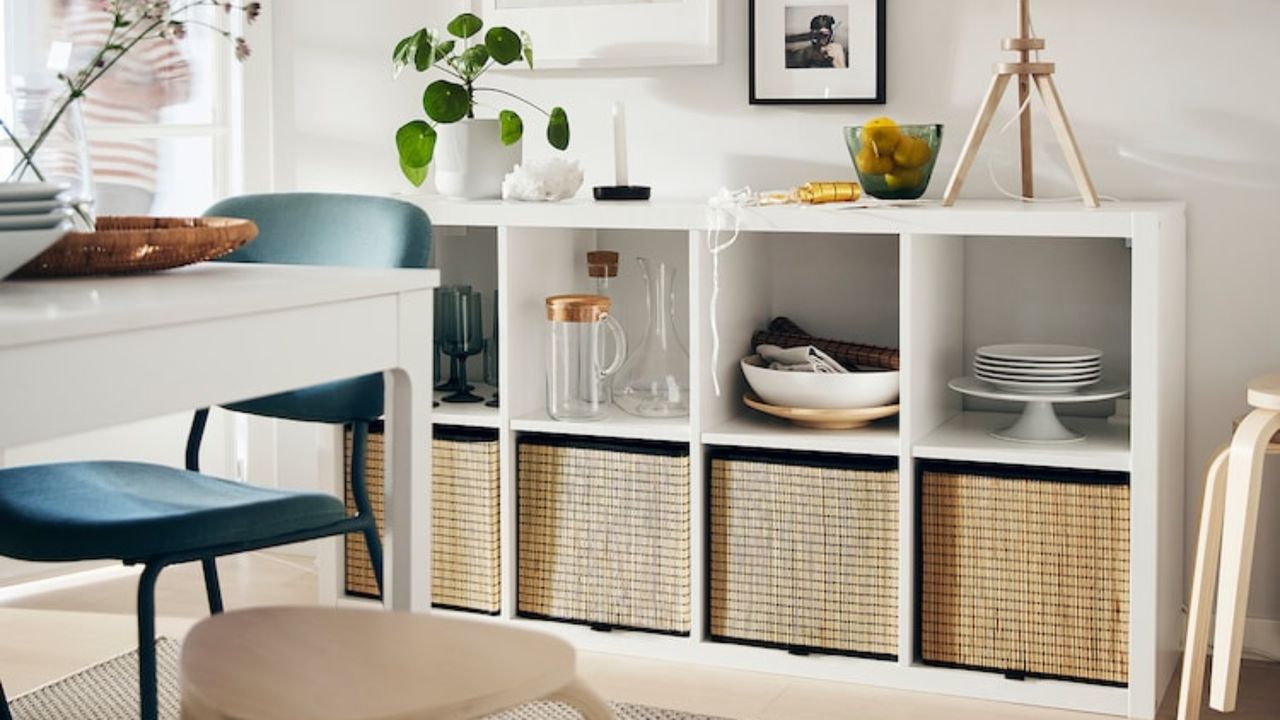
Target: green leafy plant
x,y
464,57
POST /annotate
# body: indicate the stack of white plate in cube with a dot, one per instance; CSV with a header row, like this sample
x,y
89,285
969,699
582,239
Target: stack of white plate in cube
x,y
33,216
1047,369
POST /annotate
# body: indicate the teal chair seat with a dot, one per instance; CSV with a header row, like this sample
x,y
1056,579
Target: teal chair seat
x,y
134,511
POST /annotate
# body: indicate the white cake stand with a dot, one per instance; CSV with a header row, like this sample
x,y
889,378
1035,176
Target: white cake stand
x,y
1038,422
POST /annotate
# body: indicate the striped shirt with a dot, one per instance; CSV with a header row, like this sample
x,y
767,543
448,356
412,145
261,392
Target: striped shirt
x,y
152,75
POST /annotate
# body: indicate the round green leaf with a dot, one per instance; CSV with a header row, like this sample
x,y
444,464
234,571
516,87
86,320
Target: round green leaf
x,y
465,25
474,59
445,101
558,129
512,127
504,45
416,143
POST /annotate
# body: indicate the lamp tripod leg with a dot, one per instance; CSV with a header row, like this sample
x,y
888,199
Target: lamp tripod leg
x,y
1067,139
1024,112
999,84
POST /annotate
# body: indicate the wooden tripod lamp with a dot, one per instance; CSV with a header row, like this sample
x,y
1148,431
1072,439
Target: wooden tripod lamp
x,y
1027,72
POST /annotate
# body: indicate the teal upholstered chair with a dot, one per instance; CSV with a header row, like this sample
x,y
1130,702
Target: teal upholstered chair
x,y
157,516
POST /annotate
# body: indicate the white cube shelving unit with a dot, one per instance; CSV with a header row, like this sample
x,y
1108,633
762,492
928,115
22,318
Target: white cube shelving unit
x,y
935,282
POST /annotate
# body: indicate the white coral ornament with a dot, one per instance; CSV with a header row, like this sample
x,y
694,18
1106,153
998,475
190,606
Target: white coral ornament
x,y
544,180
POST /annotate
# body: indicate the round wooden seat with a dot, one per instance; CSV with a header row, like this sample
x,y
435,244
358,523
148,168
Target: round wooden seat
x,y
327,663
1264,392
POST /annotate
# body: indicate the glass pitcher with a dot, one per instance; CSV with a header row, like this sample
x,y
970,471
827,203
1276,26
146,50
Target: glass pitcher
x,y
578,375
655,380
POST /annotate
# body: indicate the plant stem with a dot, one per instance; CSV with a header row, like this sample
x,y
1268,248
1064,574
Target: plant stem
x,y
509,94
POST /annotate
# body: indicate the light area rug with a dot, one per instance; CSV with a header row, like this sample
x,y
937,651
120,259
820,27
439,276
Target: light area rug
x,y
109,691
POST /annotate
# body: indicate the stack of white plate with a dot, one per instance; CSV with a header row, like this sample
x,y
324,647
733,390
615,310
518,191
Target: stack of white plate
x,y
33,216
1045,369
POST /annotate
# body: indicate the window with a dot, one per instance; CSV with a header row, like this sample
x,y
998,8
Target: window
x,y
161,125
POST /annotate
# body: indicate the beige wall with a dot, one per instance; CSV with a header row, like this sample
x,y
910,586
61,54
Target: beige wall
x,y
1170,98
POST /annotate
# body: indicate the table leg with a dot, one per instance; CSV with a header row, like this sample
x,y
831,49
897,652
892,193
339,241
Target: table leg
x,y
1208,545
582,698
1240,522
408,457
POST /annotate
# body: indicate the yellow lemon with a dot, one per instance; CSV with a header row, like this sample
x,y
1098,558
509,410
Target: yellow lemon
x,y
902,179
869,163
911,152
882,134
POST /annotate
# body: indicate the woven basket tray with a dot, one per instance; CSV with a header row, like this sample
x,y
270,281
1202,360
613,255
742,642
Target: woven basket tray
x,y
1025,571
604,532
804,552
124,245
465,540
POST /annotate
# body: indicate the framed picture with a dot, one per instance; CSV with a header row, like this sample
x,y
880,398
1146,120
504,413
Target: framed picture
x,y
612,33
817,51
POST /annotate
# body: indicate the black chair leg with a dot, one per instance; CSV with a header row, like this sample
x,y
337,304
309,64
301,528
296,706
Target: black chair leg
x,y
212,588
360,492
4,705
147,684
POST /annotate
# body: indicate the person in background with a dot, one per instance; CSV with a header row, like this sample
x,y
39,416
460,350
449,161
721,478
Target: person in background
x,y
822,51
149,78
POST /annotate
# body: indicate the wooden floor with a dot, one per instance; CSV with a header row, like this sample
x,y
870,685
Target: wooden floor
x,y
47,635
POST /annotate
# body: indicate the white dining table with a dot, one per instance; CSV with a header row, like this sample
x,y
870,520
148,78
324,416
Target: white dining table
x,y
87,353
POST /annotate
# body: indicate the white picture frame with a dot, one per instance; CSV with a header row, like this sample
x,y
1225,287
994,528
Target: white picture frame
x,y
611,33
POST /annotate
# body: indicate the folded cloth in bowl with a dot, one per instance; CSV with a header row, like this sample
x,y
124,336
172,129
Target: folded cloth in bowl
x,y
805,358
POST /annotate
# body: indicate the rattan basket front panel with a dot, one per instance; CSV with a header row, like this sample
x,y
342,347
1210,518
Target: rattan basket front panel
x,y
465,507
804,556
1025,575
604,536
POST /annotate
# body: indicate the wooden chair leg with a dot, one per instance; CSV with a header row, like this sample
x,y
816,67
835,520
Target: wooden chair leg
x,y
1067,139
582,698
1200,610
1240,524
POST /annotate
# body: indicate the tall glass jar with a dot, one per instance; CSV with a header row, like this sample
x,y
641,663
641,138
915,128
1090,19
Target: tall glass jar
x,y
51,132
578,374
655,380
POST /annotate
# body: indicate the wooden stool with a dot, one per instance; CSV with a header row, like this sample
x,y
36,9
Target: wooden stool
x,y
1228,525
328,663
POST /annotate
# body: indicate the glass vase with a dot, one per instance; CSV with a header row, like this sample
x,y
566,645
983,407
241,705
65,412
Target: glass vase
x,y
654,382
51,144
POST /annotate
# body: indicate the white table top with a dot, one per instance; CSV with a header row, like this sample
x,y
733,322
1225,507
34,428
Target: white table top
x,y
34,311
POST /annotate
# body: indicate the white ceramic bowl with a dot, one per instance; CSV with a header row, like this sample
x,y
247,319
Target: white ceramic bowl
x,y
865,389
19,246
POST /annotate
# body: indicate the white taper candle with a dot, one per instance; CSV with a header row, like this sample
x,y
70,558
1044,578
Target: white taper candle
x,y
619,144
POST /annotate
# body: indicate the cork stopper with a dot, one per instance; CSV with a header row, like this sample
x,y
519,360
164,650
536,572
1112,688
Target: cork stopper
x,y
577,308
602,264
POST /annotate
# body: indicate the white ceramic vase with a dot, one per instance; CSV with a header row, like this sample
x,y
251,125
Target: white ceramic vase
x,y
471,161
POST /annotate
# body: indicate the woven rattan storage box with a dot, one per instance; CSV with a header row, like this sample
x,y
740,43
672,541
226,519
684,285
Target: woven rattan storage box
x,y
804,551
465,544
604,532
1025,571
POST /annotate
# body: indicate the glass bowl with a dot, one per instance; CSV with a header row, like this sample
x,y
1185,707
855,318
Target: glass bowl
x,y
894,162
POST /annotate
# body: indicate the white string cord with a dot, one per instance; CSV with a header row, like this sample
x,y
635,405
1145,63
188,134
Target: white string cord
x,y
717,207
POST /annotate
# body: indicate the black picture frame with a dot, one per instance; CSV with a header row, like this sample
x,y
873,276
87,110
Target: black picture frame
x,y
758,95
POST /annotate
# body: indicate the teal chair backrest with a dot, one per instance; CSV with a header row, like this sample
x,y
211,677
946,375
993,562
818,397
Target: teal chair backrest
x,y
336,230
330,229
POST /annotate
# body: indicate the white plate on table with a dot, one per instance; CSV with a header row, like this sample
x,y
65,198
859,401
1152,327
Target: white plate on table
x,y
1090,393
1039,353
19,246
1041,388
30,207
1037,375
39,221
31,190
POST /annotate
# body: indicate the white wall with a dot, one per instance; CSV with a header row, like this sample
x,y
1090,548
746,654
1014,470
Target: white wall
x,y
1170,99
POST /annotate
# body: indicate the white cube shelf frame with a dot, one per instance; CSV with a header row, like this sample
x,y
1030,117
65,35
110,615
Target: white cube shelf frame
x,y
914,297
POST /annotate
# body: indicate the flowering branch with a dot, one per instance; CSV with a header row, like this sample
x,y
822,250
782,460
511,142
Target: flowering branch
x,y
132,21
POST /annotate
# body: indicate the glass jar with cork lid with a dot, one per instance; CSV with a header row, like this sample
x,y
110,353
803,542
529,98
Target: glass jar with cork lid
x,y
578,375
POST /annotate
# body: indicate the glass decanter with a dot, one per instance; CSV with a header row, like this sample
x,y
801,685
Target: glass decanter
x,y
654,382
